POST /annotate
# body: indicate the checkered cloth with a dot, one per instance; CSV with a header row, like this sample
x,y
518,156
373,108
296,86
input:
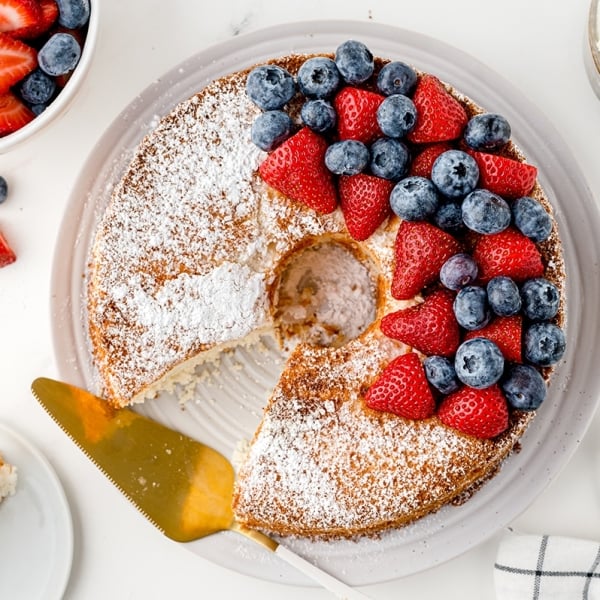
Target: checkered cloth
x,y
542,567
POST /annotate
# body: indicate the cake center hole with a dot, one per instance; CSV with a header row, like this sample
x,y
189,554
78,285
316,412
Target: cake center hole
x,y
326,296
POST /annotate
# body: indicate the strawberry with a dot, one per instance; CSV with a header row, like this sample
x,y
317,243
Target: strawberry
x,y
504,176
421,249
7,256
48,14
430,327
16,60
357,114
297,169
480,413
365,202
423,161
18,14
13,113
506,333
402,389
508,253
440,116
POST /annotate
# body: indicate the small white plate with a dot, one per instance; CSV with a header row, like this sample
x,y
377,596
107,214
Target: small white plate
x,y
36,530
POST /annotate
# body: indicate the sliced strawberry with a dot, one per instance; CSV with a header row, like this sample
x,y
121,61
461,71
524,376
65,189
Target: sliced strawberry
x,y
508,253
421,249
402,389
7,256
480,413
506,333
357,114
48,14
297,169
440,116
504,176
430,327
365,203
16,60
13,114
423,161
18,14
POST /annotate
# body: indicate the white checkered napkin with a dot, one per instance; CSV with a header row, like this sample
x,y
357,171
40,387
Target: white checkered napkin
x,y
542,567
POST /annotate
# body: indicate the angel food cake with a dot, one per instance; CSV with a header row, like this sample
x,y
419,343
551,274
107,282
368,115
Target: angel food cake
x,y
391,236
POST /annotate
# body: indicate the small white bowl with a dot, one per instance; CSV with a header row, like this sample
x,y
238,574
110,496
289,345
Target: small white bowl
x,y
66,95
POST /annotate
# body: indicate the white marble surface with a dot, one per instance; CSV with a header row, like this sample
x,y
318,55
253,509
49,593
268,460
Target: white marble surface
x,y
537,44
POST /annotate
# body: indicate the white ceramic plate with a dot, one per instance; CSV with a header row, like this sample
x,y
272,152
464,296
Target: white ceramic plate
x,y
36,531
227,407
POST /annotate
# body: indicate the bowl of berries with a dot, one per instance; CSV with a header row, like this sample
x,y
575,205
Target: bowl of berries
x,y
46,48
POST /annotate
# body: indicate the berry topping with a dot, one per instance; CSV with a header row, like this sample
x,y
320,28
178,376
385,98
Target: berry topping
x,y
318,77
396,116
504,297
319,115
414,199
402,389
440,117
389,159
348,157
7,256
479,363
454,173
357,114
441,374
37,87
420,250
429,327
47,17
297,169
480,413
354,61
73,13
270,129
448,217
541,299
16,60
506,333
531,219
544,344
487,132
423,162
523,387
60,54
13,113
485,212
365,203
504,176
396,78
458,271
471,308
3,189
18,15
270,87
507,253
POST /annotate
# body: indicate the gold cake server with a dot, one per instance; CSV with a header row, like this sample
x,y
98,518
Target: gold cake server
x,y
180,485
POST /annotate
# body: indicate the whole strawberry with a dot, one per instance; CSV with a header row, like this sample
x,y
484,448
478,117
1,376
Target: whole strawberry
x,y
402,389
365,203
506,333
420,249
429,327
480,413
440,116
507,253
357,114
297,169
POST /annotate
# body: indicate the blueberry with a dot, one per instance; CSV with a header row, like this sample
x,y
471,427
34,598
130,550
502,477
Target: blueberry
x,y
396,78
37,87
414,198
485,212
347,157
544,344
3,189
397,116
59,55
458,271
541,299
318,77
487,132
73,13
448,217
523,387
270,129
440,373
270,87
389,159
38,109
455,173
471,307
504,297
531,219
479,363
319,115
354,61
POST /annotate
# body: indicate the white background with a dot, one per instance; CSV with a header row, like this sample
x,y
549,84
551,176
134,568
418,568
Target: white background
x,y
536,44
